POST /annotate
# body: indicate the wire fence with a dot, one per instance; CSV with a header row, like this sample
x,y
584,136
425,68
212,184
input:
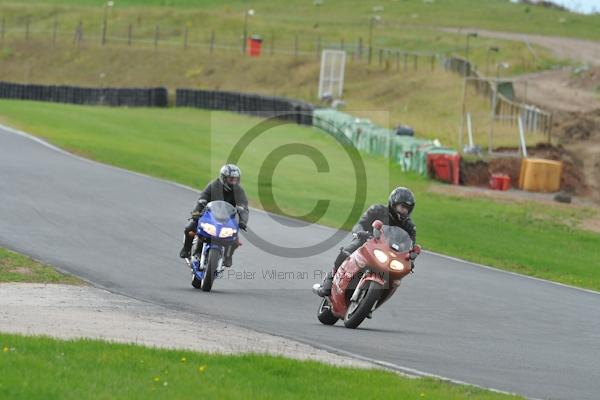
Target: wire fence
x,y
211,41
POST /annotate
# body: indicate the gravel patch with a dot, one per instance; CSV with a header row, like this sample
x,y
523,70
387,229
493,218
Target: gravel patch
x,y
69,312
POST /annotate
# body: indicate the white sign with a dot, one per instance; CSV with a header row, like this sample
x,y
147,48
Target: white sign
x,y
331,79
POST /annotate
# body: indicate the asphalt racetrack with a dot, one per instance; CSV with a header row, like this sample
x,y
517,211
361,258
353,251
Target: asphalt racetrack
x,y
122,231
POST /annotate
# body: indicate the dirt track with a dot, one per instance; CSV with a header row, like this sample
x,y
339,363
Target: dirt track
x,y
572,95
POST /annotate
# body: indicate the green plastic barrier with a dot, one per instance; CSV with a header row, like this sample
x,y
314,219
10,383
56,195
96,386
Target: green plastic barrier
x,y
407,151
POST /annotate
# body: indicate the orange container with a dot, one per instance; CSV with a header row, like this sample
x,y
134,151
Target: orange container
x,y
540,175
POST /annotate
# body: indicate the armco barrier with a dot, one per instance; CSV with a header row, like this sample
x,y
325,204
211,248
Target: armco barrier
x,y
264,106
130,97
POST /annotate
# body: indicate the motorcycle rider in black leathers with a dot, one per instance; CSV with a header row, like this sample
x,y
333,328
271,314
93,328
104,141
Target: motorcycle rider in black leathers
x,y
397,213
226,187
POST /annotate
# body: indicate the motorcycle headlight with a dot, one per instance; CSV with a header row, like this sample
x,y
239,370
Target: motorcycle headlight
x,y
380,255
227,232
209,228
396,265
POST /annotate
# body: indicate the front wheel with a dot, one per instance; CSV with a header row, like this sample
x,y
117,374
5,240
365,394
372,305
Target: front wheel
x,y
211,267
324,314
358,311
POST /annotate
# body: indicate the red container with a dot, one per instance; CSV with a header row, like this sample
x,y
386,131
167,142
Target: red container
x,y
444,167
500,182
254,46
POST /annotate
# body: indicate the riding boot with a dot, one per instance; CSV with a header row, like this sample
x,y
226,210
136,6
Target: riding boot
x,y
325,289
187,247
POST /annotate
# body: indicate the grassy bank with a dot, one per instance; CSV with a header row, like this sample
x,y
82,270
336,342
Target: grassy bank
x,y
42,368
187,146
413,91
15,267
430,101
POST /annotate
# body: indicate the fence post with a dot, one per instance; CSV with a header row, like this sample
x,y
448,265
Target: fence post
x,y
318,46
360,48
387,60
185,38
550,129
156,35
397,60
78,36
212,41
380,55
129,34
54,29
2,30
296,46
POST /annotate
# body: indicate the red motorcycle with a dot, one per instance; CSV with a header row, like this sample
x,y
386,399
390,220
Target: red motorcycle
x,y
369,276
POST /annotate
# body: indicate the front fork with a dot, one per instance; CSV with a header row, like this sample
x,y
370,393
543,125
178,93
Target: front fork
x,y
367,277
198,264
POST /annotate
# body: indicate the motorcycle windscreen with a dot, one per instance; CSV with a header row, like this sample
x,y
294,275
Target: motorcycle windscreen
x,y
397,238
221,211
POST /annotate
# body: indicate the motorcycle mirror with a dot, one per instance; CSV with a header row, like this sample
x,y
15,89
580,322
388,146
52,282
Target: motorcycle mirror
x,y
377,224
376,233
417,249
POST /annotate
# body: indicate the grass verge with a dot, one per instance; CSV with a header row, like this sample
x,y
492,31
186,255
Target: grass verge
x,y
15,267
188,146
43,368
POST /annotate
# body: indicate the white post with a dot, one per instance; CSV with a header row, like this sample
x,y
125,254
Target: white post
x,y
522,137
470,130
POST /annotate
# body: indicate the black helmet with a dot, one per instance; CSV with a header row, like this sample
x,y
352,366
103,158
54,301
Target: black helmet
x,y
403,197
230,175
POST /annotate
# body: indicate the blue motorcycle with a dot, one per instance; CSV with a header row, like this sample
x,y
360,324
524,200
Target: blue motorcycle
x,y
217,229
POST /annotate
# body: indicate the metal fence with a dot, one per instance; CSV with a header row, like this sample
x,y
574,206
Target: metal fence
x,y
535,120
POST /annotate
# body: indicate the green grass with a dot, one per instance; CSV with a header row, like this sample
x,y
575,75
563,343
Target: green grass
x,y
347,15
42,368
188,146
15,267
429,101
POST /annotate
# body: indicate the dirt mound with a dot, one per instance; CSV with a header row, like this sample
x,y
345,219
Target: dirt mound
x,y
478,172
587,78
578,126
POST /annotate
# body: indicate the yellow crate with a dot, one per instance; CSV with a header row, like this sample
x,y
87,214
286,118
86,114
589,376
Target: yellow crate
x,y
539,175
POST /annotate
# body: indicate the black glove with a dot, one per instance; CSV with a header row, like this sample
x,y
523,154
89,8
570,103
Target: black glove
x,y
413,256
362,235
242,226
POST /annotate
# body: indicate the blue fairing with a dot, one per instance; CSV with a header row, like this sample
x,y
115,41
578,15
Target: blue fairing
x,y
221,215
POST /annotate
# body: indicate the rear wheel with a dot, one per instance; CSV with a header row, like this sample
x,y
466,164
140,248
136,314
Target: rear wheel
x,y
211,267
358,310
324,314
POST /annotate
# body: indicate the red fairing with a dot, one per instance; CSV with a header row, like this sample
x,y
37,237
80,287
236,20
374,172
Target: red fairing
x,y
363,260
